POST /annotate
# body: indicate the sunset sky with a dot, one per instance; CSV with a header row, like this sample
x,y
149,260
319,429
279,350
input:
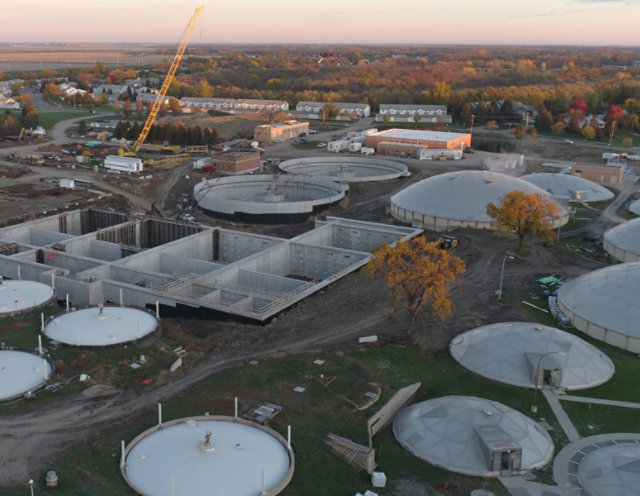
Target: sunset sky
x,y
584,22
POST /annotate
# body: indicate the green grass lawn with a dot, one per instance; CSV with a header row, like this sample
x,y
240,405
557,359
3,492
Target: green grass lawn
x,y
49,119
309,145
312,414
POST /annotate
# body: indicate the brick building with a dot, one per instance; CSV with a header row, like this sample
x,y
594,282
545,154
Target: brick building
x,y
599,173
408,142
280,132
236,161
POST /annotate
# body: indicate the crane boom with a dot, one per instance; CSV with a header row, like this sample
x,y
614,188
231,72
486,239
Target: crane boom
x,y
182,45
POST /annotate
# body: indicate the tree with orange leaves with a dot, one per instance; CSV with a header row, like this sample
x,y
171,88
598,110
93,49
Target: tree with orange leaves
x,y
419,273
526,215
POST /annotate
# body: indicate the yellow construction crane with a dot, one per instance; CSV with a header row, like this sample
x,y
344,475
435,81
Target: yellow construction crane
x,y
182,45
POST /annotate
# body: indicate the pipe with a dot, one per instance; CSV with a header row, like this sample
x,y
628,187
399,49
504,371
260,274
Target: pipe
x,y
289,437
122,454
39,344
53,281
19,274
67,298
121,301
159,413
236,408
41,321
157,309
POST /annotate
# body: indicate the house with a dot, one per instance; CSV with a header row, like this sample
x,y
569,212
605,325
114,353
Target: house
x,y
8,103
412,113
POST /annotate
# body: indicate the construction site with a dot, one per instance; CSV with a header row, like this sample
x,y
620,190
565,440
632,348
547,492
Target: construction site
x,y
224,285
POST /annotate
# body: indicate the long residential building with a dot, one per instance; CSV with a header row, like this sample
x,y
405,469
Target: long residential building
x,y
393,112
313,110
234,106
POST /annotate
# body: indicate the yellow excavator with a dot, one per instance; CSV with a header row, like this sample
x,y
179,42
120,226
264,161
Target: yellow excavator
x,y
182,45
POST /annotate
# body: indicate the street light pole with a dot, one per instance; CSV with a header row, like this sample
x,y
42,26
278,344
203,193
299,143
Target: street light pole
x,y
507,257
534,407
31,482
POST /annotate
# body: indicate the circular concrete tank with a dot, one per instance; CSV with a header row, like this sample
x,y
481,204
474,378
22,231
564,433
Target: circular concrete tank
x,y
18,297
100,326
207,455
604,304
634,207
623,241
568,187
459,199
510,353
346,169
601,465
279,198
22,371
449,432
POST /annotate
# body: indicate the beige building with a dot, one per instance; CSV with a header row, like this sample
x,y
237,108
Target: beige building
x,y
280,132
408,142
236,161
599,173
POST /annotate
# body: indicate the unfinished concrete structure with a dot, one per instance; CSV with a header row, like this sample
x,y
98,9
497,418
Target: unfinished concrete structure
x,y
264,198
97,256
346,169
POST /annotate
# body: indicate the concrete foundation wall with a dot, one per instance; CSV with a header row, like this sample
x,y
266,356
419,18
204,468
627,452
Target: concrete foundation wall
x,y
172,264
151,259
620,253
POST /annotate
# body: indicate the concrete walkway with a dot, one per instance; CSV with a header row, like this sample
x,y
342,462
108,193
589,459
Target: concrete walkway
x,y
561,415
518,486
599,401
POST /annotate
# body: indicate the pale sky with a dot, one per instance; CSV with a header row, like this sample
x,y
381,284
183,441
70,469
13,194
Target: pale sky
x,y
567,22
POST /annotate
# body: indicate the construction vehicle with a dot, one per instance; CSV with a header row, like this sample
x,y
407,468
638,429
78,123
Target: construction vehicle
x,y
182,45
35,158
31,133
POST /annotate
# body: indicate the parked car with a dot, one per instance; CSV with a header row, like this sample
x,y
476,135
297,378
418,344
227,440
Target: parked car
x,y
568,141
321,145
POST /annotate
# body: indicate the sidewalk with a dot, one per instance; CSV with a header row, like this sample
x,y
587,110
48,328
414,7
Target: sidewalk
x,y
561,415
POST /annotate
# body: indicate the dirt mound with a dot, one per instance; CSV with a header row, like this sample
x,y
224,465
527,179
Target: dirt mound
x,y
50,148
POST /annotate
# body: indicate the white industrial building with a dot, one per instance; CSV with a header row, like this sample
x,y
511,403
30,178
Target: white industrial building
x,y
623,241
604,304
531,355
394,112
123,164
459,199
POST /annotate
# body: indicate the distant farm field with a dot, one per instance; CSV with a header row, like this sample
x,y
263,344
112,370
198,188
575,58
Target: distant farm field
x,y
38,57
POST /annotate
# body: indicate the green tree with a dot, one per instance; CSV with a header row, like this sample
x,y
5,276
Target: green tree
x,y
329,111
203,89
632,105
520,132
440,93
588,132
174,105
526,215
29,117
416,118
544,120
465,114
82,127
419,274
627,142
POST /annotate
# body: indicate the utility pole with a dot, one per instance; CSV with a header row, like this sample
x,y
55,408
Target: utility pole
x,y
526,126
473,118
613,130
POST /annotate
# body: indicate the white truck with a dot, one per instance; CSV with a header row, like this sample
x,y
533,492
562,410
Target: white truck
x,y
365,150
